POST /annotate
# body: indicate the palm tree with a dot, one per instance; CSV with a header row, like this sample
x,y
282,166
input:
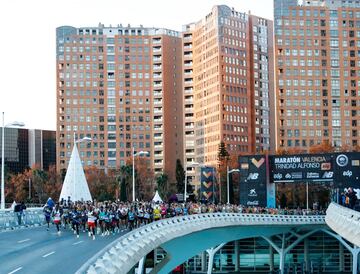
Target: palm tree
x,y
124,178
162,185
180,176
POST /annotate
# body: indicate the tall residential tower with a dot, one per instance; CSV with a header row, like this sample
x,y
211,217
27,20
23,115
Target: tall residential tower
x,y
228,83
122,87
317,69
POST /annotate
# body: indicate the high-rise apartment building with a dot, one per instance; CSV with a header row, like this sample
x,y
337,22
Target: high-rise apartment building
x,y
228,83
175,95
317,48
122,87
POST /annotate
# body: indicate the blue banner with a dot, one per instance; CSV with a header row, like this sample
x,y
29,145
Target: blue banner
x,y
208,184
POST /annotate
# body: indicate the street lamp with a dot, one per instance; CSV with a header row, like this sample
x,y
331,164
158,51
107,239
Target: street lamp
x,y
84,139
227,182
192,164
133,168
13,124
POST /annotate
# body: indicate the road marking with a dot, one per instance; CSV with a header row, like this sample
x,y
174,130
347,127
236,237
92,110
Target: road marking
x,y
48,254
78,243
16,270
23,241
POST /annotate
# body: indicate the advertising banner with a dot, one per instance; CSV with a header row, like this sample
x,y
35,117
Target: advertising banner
x,y
252,180
347,170
302,168
208,184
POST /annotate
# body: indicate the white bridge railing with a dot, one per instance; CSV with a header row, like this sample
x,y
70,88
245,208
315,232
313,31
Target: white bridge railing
x,y
31,217
345,222
121,255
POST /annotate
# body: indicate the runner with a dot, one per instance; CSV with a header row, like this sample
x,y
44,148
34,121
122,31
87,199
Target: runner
x,y
157,214
123,216
47,213
57,213
131,218
102,215
76,221
91,219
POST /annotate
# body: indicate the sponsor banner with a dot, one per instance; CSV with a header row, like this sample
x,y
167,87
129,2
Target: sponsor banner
x,y
301,168
347,170
208,184
252,180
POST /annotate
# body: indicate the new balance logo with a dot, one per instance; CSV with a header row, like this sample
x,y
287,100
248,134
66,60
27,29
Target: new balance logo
x,y
253,176
328,174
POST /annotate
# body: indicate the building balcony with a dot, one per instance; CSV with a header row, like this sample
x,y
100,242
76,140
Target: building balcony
x,y
156,41
158,128
158,102
158,93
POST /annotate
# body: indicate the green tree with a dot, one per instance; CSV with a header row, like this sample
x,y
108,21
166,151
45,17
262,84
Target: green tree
x,y
123,195
180,176
223,159
162,185
125,177
223,154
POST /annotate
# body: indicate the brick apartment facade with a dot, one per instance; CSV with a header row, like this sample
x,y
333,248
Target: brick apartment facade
x,y
317,51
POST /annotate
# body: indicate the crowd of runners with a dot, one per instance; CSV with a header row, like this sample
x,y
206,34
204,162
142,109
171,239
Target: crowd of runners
x,y
105,218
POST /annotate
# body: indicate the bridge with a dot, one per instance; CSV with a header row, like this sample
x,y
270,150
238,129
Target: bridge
x,y
345,222
206,234
209,231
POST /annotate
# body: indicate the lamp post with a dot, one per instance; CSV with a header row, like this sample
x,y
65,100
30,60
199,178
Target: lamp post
x,y
193,164
16,124
227,182
133,168
85,139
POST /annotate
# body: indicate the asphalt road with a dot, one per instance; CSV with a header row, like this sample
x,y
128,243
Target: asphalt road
x,y
36,251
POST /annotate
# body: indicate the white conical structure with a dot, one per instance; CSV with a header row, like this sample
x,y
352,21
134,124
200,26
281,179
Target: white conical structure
x,y
157,198
75,184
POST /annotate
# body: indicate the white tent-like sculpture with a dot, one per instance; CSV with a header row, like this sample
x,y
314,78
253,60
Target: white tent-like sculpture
x,y
157,198
75,184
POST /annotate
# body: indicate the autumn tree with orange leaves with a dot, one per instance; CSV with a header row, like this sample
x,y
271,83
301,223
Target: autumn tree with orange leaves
x,y
324,147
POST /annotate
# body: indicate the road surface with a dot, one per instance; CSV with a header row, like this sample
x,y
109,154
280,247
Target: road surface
x,y
35,250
